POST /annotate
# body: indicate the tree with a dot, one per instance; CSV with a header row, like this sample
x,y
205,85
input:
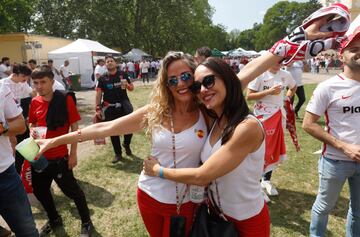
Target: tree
x,y
15,15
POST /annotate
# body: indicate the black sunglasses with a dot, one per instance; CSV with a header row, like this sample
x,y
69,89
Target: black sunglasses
x,y
208,82
174,81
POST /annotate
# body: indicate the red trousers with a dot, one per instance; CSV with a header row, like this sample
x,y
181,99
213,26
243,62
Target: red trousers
x,y
156,215
256,226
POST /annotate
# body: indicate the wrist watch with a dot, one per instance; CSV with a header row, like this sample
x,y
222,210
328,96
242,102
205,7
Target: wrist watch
x,y
4,127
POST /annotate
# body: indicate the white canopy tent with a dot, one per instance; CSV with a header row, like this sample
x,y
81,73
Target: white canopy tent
x,y
80,55
136,55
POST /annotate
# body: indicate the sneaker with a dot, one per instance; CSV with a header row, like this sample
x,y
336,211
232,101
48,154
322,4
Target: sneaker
x,y
266,197
4,232
50,226
127,149
116,159
270,189
86,229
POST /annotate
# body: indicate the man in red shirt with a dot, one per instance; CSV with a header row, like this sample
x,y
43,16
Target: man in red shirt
x,y
56,112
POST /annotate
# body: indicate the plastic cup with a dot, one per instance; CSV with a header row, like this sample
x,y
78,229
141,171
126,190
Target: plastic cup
x,y
123,83
41,132
29,150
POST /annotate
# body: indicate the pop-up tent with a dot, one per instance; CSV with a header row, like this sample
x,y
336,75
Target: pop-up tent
x,y
80,55
136,55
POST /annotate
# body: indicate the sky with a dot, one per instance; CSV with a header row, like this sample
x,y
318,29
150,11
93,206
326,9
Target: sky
x,y
240,14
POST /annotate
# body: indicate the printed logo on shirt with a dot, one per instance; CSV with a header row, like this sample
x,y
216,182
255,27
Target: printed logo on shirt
x,y
199,133
351,109
344,97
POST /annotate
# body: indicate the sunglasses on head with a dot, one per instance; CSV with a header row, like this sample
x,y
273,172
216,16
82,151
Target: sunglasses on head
x,y
174,81
208,82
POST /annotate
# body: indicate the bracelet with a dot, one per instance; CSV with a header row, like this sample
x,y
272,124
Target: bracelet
x,y
161,172
79,135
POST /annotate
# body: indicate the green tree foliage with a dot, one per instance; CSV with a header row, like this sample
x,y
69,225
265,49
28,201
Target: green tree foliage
x,y
280,20
15,15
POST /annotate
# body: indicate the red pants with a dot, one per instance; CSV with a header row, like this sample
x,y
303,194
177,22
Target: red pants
x,y
256,226
156,215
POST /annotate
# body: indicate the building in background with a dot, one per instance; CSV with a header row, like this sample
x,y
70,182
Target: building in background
x,y
21,47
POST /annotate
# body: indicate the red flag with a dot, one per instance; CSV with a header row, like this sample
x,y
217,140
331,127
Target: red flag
x,y
275,150
290,123
26,176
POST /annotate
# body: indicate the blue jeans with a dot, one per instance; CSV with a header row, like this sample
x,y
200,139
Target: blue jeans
x,y
14,204
332,176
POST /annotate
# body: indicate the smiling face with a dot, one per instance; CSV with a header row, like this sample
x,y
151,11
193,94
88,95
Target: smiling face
x,y
181,91
351,55
212,97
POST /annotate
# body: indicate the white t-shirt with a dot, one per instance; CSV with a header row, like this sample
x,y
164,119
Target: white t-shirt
x,y
296,71
144,67
100,70
240,190
188,145
338,99
58,86
3,69
65,70
20,90
8,110
130,66
270,104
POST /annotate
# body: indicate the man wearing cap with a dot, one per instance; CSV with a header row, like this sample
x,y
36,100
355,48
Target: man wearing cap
x,y
338,99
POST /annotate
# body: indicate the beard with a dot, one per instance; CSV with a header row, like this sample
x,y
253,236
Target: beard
x,y
354,63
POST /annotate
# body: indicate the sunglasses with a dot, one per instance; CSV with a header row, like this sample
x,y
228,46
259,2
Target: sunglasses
x,y
208,82
173,81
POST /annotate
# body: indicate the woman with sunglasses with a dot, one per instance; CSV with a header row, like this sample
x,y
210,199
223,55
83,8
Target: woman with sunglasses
x,y
178,130
172,118
232,161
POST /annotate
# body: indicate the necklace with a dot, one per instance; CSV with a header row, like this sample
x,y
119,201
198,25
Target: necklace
x,y
178,200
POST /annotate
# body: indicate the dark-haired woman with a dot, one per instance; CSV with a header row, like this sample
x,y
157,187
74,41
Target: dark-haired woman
x,y
233,154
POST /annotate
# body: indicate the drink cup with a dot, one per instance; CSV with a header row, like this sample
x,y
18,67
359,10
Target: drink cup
x,y
196,193
41,132
123,84
29,150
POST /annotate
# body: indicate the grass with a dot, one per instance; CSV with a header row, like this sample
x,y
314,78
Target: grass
x,y
111,189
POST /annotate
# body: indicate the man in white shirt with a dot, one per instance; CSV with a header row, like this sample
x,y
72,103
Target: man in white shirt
x,y
296,69
338,100
14,204
65,73
5,69
131,69
268,90
144,69
100,68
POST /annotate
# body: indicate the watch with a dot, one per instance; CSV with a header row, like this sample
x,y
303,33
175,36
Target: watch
x,y
4,127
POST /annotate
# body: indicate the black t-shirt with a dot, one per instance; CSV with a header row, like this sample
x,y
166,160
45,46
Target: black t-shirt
x,y
110,85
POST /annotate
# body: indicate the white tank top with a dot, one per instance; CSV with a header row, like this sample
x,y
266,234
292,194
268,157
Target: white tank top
x,y
188,144
239,190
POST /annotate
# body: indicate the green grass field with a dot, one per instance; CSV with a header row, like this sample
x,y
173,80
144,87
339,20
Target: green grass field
x,y
111,189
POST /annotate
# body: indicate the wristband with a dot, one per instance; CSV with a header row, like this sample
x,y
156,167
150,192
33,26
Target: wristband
x,y
79,135
161,172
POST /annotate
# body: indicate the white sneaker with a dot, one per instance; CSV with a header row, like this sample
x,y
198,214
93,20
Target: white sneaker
x,y
266,198
270,189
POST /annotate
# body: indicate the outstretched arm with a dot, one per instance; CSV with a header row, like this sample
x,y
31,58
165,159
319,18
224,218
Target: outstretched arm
x,y
125,125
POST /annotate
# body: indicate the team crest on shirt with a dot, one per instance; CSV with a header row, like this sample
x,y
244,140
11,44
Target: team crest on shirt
x,y
199,133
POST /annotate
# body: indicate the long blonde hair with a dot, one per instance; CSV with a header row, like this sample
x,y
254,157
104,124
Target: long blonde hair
x,y
161,99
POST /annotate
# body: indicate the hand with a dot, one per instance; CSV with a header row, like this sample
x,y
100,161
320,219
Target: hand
x,y
44,144
33,133
352,151
151,166
98,114
313,32
275,90
72,162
